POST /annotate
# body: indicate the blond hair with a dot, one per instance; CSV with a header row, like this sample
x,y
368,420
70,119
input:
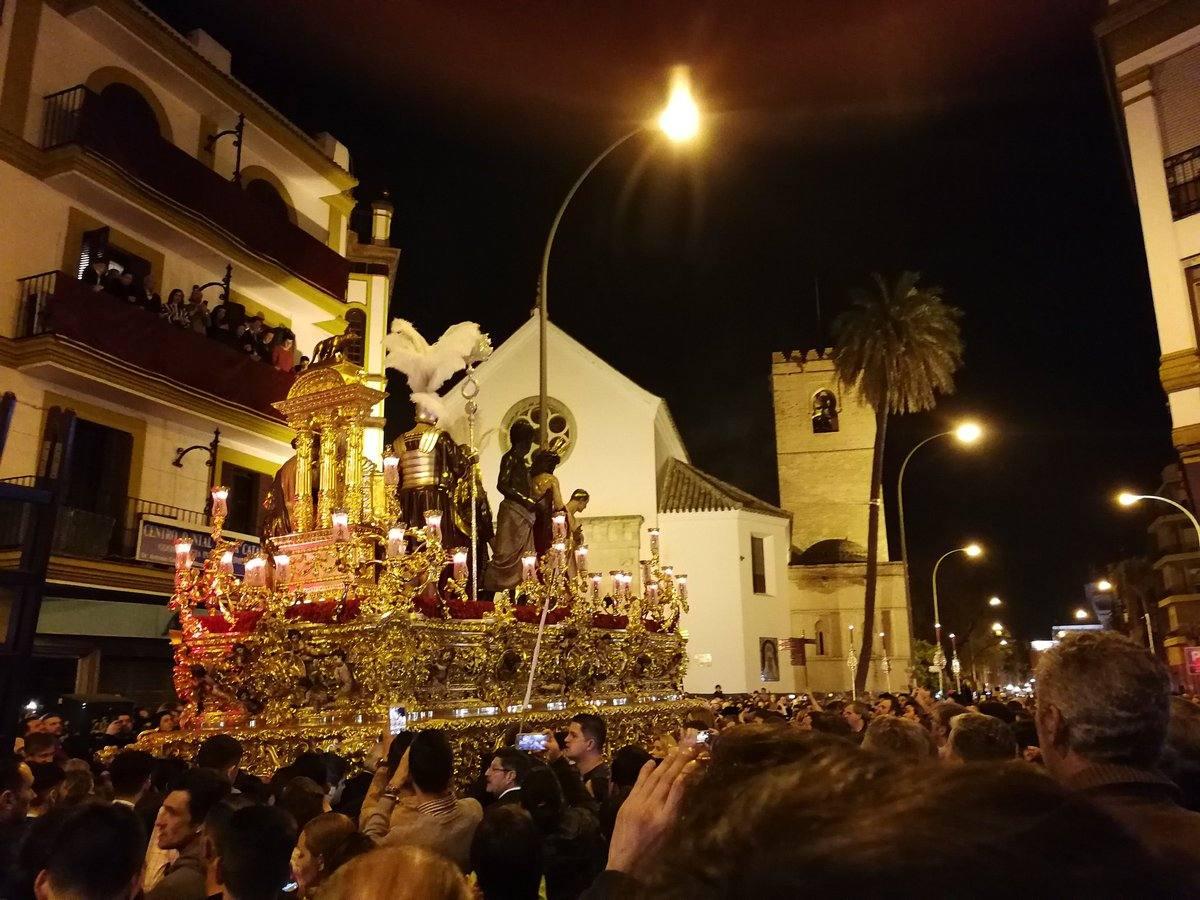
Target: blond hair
x,y
400,873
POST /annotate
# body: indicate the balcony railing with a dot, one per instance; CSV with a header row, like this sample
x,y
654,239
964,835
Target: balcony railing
x,y
78,116
88,534
55,303
1183,182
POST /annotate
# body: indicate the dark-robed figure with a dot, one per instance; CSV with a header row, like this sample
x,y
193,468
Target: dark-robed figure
x,y
516,515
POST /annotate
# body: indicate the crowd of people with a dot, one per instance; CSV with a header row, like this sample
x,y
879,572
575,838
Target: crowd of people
x,y
1088,790
274,345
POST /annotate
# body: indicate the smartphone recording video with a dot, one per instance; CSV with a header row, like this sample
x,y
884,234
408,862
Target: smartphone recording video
x,y
397,719
532,741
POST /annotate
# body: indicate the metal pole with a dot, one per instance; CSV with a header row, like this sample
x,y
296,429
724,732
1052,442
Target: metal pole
x,y
904,529
1149,632
543,287
939,655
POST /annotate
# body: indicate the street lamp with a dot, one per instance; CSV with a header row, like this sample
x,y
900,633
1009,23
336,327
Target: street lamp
x,y
1127,499
1104,585
966,433
973,551
680,122
995,601
1081,614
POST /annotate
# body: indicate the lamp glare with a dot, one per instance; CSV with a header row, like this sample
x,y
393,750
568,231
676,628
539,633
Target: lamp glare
x,y
680,119
968,432
973,550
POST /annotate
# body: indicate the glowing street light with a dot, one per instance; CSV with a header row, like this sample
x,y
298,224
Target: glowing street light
x,y
680,122
998,627
995,601
967,433
1104,585
1003,643
1081,614
1125,498
973,550
680,119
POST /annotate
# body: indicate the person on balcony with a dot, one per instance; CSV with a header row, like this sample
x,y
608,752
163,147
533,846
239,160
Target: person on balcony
x,y
218,325
283,355
149,297
96,273
111,282
126,290
174,311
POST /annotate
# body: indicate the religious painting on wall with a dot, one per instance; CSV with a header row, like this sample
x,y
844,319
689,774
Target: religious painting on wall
x,y
768,658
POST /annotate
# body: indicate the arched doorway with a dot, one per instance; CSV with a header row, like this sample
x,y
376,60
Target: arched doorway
x,y
266,196
126,111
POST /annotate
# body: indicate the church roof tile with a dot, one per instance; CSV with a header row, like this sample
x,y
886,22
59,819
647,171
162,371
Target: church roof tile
x,y
684,488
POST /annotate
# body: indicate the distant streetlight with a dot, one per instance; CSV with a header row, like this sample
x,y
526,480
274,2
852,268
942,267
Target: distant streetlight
x,y
1003,643
995,601
998,627
1081,614
965,433
680,122
1104,585
939,655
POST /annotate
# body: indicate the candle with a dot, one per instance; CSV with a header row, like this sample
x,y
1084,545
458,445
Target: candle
x,y
433,525
581,557
256,571
227,562
460,565
559,547
654,535
596,576
391,470
652,591
560,525
283,568
528,564
183,554
626,580
682,582
645,572
341,526
669,571
219,505
395,542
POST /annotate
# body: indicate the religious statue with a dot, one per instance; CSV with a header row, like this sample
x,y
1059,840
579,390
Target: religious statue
x,y
576,505
431,463
548,494
825,415
516,515
280,502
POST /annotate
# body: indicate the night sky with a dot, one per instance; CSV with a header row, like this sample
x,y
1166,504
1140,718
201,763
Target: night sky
x,y
970,140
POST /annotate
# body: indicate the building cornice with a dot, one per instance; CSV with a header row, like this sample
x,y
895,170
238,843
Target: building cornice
x,y
50,351
1180,370
104,574
164,39
1135,26
1186,439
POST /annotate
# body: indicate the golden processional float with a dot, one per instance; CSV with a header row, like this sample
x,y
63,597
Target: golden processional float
x,y
350,620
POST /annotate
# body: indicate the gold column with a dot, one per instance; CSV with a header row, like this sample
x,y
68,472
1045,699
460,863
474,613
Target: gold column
x,y
304,463
328,488
354,470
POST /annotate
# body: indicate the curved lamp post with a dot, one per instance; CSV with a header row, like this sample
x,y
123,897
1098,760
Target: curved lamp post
x,y
973,551
680,122
966,433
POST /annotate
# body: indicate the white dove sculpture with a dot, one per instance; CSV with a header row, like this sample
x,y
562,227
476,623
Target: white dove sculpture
x,y
429,366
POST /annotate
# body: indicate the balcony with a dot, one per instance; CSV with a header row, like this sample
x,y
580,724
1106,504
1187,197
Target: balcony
x,y
1183,182
54,306
77,116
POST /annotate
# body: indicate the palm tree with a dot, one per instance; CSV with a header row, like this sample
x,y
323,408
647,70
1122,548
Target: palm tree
x,y
898,346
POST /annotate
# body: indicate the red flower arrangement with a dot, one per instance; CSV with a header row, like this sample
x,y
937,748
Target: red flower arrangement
x,y
608,620
325,612
243,622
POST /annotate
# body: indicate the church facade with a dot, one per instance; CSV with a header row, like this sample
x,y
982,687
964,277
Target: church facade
x,y
754,595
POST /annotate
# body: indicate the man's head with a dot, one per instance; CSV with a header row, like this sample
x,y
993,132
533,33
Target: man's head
x,y
41,747
126,278
975,737
902,740
506,853
96,852
579,500
16,790
251,851
585,737
181,816
52,723
431,761
939,720
124,722
886,705
508,769
857,714
221,753
520,435
130,774
1101,699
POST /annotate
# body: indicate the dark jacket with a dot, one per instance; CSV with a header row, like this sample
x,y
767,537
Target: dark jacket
x,y
1147,804
185,878
572,854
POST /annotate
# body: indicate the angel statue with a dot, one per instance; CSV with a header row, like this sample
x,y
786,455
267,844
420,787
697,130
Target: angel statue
x,y
430,461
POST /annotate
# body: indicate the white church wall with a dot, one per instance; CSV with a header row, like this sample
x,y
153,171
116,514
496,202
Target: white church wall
x,y
726,618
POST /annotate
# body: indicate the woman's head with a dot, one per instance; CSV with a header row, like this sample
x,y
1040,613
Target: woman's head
x,y
400,873
304,799
326,842
176,296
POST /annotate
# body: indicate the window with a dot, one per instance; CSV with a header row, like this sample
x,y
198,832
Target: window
x,y
561,424
356,332
820,643
758,565
247,490
268,197
824,413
